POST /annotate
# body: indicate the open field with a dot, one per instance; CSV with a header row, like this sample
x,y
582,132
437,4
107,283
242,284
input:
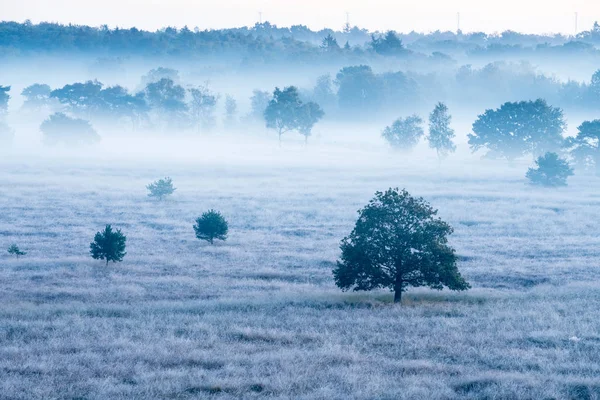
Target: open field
x,y
259,315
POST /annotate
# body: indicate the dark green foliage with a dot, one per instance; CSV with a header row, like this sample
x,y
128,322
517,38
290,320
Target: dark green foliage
x,y
398,242
108,245
551,170
210,226
286,112
388,45
440,133
518,129
161,188
60,128
585,147
329,44
404,134
14,250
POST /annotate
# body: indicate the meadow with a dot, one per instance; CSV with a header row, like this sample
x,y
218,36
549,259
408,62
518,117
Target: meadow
x,y
259,315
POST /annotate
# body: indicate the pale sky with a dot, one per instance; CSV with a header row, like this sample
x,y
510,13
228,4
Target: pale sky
x,y
532,16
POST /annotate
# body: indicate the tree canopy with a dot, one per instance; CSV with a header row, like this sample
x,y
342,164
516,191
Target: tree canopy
x,y
404,133
585,147
398,242
518,129
286,112
108,245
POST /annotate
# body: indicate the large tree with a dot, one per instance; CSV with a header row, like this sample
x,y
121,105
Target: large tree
x,y
398,242
440,133
286,112
518,129
81,98
585,147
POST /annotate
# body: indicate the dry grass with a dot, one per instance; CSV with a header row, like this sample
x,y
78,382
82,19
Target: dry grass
x,y
259,315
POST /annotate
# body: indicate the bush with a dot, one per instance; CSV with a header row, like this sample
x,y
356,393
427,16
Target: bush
x,y
108,245
551,171
161,188
404,134
210,226
60,128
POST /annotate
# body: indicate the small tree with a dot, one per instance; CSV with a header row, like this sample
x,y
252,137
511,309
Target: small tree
x,y
161,188
14,250
398,242
551,170
404,133
210,226
440,133
286,112
108,245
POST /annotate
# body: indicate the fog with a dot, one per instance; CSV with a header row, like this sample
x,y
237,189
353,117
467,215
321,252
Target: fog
x,y
284,133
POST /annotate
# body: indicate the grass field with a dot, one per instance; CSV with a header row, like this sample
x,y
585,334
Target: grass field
x,y
259,315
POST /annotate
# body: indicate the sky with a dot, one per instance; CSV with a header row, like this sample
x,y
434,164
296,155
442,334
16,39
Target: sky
x,y
530,16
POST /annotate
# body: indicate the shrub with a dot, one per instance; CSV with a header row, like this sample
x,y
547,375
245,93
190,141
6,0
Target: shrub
x,y
397,242
14,250
210,226
551,170
60,128
108,245
161,188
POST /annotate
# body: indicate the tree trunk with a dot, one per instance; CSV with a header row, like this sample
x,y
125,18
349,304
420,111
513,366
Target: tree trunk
x,y
398,295
398,289
107,262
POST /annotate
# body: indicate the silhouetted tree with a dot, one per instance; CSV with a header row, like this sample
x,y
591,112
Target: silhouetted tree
x,y
230,111
359,90
404,134
81,98
60,128
329,44
168,100
4,97
259,103
398,242
585,147
517,129
108,245
14,250
202,107
286,112
210,226
550,170
389,44
36,96
155,75
161,188
440,133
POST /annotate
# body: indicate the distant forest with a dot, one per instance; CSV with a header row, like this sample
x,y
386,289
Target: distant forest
x,y
271,43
